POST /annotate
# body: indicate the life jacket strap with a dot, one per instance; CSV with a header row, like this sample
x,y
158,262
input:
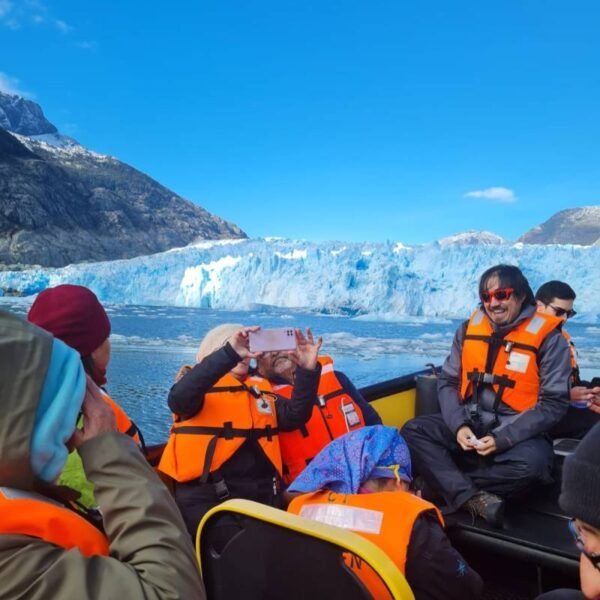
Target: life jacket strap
x,y
508,344
228,432
479,377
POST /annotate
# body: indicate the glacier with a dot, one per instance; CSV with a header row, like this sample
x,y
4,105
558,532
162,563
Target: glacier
x,y
384,281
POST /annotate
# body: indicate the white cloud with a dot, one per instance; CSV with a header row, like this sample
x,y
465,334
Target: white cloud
x,y
11,85
62,26
496,194
5,7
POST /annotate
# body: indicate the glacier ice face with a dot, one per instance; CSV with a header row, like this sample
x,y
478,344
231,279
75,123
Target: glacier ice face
x,y
386,280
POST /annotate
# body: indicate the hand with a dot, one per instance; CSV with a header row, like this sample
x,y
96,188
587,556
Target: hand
x,y
595,404
463,437
240,342
582,394
307,350
487,445
98,417
182,372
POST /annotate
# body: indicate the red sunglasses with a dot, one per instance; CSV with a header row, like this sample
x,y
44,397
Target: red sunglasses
x,y
499,294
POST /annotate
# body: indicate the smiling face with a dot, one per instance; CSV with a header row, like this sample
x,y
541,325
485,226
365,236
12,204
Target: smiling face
x,y
501,312
276,364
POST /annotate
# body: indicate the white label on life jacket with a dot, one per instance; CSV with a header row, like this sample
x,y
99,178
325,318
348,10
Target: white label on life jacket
x,y
352,419
517,362
263,406
346,517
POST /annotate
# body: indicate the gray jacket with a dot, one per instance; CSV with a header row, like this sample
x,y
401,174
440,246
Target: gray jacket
x,y
554,368
151,556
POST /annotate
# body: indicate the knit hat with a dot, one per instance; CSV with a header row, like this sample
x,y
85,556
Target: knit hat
x,y
347,462
216,338
580,496
73,314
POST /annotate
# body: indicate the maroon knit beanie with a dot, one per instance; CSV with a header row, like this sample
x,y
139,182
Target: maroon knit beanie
x,y
73,314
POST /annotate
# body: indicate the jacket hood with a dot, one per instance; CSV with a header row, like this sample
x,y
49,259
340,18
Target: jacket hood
x,y
42,386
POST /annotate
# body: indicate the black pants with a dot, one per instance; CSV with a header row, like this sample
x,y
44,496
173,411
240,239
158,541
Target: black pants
x,y
457,475
195,499
575,424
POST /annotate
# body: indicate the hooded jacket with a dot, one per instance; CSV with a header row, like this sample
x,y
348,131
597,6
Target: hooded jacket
x,y
150,552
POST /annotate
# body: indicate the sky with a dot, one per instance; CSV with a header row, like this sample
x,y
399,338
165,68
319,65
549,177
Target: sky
x,y
359,121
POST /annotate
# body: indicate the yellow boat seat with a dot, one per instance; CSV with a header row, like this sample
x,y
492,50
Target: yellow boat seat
x,y
256,552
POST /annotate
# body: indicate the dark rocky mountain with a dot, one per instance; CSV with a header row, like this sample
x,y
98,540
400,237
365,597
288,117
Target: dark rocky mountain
x,y
61,203
23,116
572,226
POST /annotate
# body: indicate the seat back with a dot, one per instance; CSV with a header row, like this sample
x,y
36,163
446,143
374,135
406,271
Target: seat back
x,y
256,552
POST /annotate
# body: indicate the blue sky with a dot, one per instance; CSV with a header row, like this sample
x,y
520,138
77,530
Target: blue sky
x,y
329,120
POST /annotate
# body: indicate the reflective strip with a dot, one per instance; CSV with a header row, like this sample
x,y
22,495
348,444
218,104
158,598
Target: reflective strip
x,y
14,494
281,387
477,318
535,324
327,368
346,517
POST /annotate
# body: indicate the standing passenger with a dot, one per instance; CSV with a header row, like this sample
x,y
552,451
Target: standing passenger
x,y
224,442
338,409
46,549
506,382
557,298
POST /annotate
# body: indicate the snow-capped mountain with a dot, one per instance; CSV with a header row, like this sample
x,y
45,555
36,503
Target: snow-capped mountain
x,y
61,203
386,280
571,226
23,116
470,238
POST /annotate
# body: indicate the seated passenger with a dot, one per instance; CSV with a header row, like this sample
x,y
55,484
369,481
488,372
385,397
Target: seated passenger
x,y
46,549
557,298
580,498
338,409
73,314
506,382
224,442
366,473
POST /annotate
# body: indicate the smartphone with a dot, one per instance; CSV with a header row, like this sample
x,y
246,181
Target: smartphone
x,y
475,442
269,340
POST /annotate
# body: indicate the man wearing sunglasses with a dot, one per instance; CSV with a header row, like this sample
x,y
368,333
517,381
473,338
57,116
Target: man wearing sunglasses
x,y
504,385
557,298
580,498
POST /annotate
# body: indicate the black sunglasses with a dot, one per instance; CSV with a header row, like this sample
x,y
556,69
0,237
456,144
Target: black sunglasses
x,y
576,532
559,312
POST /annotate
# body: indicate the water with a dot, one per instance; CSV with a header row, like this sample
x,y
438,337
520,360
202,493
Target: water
x,y
151,343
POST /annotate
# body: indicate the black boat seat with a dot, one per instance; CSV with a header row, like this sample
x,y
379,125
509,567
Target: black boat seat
x,y
270,554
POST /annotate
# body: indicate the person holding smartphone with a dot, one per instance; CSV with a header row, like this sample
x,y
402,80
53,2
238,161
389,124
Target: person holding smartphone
x,y
338,409
224,442
557,298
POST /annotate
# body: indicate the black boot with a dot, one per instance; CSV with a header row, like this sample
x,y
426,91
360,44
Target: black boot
x,y
487,506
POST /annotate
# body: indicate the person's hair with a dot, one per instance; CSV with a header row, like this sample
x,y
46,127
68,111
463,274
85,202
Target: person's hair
x,y
554,290
216,338
511,277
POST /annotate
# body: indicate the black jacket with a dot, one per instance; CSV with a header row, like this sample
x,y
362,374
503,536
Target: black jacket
x,y
186,398
434,569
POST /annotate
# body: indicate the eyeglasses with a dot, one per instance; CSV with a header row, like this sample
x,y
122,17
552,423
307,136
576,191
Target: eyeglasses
x,y
499,294
576,532
559,312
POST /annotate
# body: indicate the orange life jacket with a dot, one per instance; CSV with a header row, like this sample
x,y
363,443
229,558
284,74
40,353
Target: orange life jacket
x,y
28,513
573,353
124,423
232,413
334,414
514,376
384,518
